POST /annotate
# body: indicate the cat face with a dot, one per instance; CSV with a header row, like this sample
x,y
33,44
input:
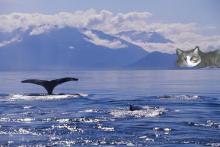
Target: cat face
x,y
188,58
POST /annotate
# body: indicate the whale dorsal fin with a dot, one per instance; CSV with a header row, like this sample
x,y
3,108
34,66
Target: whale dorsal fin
x,y
49,85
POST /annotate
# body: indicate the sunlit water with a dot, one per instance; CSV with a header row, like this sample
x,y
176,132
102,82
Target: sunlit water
x,y
179,108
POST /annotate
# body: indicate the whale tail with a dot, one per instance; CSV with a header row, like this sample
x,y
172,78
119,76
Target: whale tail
x,y
49,85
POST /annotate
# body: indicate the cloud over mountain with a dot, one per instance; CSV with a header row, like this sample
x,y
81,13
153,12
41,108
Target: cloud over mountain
x,y
93,38
183,35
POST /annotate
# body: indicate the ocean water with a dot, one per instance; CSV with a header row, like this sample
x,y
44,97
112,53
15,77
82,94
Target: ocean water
x,y
179,107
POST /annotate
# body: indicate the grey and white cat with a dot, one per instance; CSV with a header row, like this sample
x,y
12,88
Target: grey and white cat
x,y
196,58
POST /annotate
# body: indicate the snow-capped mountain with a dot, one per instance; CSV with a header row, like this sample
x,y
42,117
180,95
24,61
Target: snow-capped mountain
x,y
145,37
66,48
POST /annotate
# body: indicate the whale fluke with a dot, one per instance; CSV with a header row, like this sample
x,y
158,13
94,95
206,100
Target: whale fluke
x,y
49,85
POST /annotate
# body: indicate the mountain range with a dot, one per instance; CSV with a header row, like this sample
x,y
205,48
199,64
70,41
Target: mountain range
x,y
72,48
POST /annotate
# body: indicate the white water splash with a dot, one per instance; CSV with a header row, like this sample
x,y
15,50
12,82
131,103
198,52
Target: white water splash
x,y
45,97
90,120
145,112
89,111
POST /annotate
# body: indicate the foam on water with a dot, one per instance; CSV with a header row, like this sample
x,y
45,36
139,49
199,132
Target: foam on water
x,y
45,97
27,107
19,120
20,131
213,144
146,138
159,130
90,111
208,123
64,143
181,97
106,129
145,112
90,120
68,127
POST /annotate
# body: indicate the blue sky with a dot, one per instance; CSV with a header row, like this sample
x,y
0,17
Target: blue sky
x,y
205,12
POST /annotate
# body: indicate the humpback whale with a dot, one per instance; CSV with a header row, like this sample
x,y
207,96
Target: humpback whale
x,y
49,85
134,108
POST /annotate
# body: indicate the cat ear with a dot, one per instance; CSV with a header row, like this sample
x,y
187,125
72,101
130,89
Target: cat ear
x,y
179,51
196,50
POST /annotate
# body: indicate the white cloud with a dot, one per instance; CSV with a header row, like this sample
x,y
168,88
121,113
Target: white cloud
x,y
184,35
15,39
103,20
93,38
41,29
